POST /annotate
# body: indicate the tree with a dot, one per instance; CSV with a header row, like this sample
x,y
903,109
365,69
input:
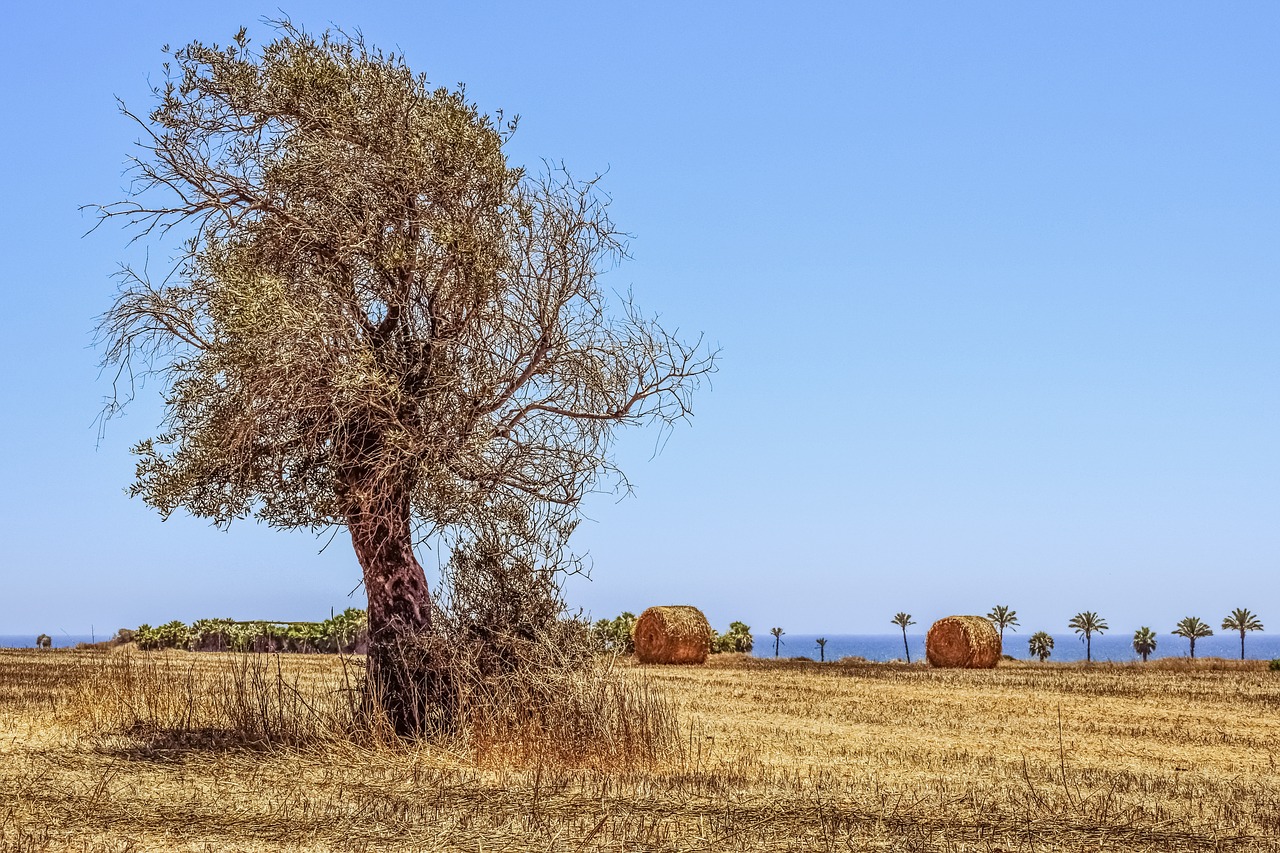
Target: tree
x,y
616,635
822,649
777,639
1087,624
1241,620
738,638
903,620
1002,617
1144,642
44,641
1040,645
1193,629
375,322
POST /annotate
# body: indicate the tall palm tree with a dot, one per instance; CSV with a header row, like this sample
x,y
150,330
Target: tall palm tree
x,y
1002,617
1144,642
822,649
902,620
1087,624
1241,620
1193,629
1040,645
777,639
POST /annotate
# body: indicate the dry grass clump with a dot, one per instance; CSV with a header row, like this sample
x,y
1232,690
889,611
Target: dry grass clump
x,y
591,714
672,634
176,699
966,642
550,700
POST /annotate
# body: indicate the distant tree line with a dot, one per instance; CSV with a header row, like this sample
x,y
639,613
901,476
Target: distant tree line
x,y
344,632
1087,623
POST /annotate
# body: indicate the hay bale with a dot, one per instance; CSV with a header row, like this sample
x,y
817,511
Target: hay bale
x,y
969,642
674,634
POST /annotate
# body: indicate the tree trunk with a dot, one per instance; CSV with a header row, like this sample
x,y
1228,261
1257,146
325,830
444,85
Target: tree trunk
x,y
905,647
1193,647
1242,645
405,673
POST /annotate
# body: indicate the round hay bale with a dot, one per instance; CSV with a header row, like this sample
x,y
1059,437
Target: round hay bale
x,y
968,642
674,634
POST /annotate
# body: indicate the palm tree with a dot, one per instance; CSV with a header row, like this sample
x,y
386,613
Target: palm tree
x,y
1087,624
1144,642
1040,645
777,639
1002,617
822,649
902,620
1193,629
1241,620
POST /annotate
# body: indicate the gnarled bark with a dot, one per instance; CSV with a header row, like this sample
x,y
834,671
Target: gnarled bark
x,y
407,677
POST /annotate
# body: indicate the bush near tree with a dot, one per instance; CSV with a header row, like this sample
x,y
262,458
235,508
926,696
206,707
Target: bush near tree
x,y
737,639
615,635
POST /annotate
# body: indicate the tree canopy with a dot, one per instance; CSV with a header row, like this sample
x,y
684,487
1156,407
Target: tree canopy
x,y
370,292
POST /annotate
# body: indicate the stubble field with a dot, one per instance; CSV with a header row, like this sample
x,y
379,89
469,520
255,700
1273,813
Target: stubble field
x,y
771,756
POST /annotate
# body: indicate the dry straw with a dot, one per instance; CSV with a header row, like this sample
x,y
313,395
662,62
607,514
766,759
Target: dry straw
x,y
673,634
968,642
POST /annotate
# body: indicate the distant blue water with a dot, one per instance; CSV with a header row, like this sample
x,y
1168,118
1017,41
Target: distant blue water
x,y
60,641
885,647
1066,647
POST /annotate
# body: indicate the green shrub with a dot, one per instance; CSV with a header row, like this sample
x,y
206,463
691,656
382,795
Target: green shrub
x,y
737,639
1275,665
615,635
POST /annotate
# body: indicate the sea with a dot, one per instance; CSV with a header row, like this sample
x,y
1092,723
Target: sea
x,y
60,640
885,647
1116,646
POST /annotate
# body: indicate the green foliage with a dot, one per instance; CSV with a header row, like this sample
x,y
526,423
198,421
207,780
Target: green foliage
x,y
1040,645
1144,642
615,635
1192,628
777,639
903,621
1002,617
1242,619
173,635
1275,665
1086,624
343,632
737,639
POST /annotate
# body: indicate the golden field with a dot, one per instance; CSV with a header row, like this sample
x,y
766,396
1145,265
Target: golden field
x,y
771,755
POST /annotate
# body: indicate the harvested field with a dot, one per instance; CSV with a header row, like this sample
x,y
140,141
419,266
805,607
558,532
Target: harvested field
x,y
774,756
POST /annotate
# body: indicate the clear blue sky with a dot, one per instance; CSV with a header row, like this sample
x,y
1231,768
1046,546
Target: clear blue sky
x,y
996,286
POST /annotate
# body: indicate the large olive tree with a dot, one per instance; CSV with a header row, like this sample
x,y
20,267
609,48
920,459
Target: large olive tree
x,y
374,321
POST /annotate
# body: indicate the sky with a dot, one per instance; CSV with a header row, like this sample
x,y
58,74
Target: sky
x,y
994,285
